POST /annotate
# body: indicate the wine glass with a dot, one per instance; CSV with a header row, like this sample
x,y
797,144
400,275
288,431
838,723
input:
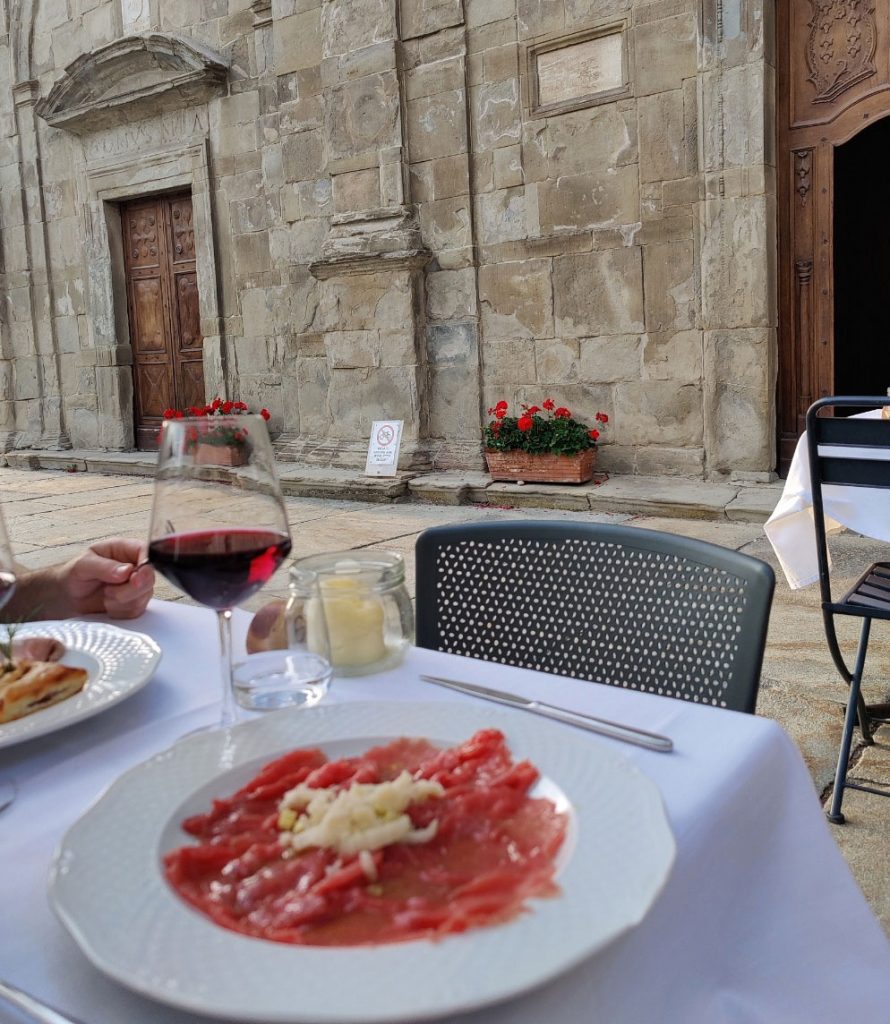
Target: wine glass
x,y
219,528
7,587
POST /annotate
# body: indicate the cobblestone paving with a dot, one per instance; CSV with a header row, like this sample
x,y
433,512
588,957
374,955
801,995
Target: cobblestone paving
x,y
52,515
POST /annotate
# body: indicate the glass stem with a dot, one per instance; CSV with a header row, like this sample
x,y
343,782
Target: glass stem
x,y
228,713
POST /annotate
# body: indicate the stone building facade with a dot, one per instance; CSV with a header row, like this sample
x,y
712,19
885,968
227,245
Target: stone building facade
x,y
402,209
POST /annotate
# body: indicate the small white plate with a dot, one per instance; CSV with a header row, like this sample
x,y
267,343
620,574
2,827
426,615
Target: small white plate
x,y
119,662
108,888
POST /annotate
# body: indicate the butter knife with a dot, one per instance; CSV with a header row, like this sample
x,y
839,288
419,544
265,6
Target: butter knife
x,y
32,1007
602,726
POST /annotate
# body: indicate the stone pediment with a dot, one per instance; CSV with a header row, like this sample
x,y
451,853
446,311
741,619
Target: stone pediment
x,y
132,78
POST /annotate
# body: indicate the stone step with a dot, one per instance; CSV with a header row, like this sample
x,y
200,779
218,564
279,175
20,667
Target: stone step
x,y
633,495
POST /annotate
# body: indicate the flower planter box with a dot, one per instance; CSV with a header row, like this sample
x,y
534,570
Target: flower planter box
x,y
220,455
541,468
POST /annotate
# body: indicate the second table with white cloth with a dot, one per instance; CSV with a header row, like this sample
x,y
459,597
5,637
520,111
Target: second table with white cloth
x,y
760,919
791,529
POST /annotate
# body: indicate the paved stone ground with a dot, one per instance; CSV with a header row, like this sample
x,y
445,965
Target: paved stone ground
x,y
52,515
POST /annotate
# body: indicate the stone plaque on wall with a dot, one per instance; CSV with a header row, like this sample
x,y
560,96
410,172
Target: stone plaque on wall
x,y
578,70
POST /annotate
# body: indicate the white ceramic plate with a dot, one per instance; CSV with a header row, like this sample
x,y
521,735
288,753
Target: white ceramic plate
x,y
119,662
107,886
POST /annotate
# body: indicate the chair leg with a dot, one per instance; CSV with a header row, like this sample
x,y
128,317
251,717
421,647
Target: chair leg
x,y
866,723
853,709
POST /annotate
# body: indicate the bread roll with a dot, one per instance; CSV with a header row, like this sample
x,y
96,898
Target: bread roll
x,y
268,630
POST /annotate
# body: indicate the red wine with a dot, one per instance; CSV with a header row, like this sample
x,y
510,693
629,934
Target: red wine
x,y
7,586
219,568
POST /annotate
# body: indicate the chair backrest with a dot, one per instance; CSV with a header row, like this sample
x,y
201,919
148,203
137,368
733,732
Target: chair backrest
x,y
844,450
613,604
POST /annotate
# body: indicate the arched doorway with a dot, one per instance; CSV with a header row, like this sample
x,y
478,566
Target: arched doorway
x,y
833,77
862,263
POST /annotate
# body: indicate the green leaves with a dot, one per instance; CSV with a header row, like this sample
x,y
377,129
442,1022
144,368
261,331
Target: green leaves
x,y
556,436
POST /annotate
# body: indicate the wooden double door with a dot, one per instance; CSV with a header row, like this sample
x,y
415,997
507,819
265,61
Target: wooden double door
x,y
162,300
833,65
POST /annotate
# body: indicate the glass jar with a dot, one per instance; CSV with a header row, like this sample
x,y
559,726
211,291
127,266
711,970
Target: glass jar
x,y
359,599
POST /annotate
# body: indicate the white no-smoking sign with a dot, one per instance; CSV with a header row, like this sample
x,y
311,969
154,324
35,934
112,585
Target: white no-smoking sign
x,y
383,451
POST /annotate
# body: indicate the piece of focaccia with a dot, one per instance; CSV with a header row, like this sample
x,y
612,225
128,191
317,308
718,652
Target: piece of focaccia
x,y
28,686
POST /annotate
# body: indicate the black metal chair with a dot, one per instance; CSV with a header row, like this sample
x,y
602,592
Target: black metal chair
x,y
613,604
846,460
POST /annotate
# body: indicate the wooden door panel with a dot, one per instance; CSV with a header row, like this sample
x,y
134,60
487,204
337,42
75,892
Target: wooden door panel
x,y
165,322
833,80
192,383
149,327
143,235
187,312
835,59
182,229
155,392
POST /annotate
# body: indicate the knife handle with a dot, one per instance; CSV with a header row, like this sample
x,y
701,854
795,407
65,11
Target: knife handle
x,y
603,727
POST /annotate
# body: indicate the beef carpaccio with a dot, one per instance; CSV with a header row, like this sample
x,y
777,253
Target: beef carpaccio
x,y
493,847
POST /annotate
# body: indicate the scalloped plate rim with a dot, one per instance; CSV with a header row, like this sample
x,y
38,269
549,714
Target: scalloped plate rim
x,y
80,707
291,1008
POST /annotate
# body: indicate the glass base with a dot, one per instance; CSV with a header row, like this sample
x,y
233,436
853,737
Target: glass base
x,y
280,679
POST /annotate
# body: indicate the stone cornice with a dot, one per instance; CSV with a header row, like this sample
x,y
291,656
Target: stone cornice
x,y
371,241
132,77
348,264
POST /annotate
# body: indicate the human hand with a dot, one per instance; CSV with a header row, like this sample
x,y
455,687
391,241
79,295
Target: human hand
x,y
108,578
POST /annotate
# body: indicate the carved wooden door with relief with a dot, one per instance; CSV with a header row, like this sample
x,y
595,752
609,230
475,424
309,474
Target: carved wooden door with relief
x,y
833,66
162,299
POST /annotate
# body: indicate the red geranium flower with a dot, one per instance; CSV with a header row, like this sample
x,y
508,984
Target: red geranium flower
x,y
602,417
169,414
217,402
525,423
594,434
265,414
534,409
500,413
562,413
227,408
549,404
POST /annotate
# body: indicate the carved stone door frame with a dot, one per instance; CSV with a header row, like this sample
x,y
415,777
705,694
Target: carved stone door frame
x,y
833,81
108,184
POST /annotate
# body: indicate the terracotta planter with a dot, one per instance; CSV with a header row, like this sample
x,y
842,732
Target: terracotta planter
x,y
220,455
543,468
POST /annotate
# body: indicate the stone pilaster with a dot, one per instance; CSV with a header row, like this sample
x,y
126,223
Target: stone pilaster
x,y
736,224
37,382
370,269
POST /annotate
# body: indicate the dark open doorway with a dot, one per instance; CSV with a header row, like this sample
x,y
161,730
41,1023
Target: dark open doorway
x,y
862,264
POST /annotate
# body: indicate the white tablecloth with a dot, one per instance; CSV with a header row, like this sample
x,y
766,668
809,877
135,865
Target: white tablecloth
x,y
791,529
760,920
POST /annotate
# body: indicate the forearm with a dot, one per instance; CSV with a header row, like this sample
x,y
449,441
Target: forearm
x,y
38,594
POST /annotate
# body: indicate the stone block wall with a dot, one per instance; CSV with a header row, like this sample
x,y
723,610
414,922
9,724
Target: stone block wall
x,y
400,216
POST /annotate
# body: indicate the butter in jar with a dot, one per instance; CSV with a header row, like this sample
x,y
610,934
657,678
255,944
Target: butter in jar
x,y
360,601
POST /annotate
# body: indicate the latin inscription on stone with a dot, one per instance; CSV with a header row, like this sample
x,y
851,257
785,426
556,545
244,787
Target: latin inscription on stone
x,y
180,126
580,70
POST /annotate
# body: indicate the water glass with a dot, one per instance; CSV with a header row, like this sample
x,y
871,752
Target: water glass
x,y
284,678
297,675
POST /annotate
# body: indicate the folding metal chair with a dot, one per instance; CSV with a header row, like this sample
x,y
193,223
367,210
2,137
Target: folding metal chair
x,y
848,451
613,604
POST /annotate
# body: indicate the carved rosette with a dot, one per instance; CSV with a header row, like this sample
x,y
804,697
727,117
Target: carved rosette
x,y
841,45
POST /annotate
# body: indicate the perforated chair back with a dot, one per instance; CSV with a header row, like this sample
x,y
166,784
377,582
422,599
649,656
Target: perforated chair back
x,y
844,450
613,604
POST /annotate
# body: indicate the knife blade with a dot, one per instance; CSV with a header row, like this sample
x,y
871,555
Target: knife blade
x,y
33,1008
602,726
